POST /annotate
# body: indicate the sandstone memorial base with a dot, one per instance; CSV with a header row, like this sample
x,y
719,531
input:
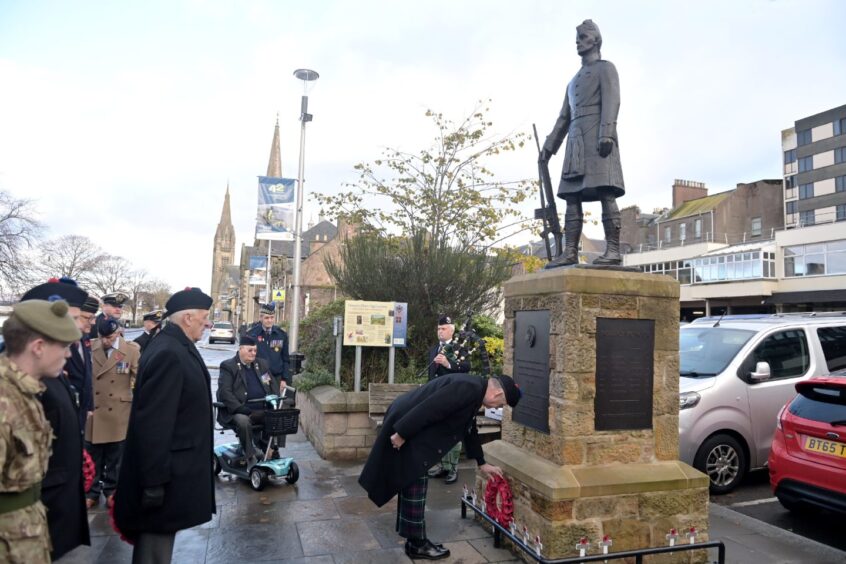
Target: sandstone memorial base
x,y
571,480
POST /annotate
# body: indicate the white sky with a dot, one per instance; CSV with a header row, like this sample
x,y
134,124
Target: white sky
x,y
124,120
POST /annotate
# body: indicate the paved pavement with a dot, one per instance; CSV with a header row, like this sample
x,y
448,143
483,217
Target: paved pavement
x,y
326,518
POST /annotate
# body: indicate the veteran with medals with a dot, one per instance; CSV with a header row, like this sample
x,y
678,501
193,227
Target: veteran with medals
x,y
271,342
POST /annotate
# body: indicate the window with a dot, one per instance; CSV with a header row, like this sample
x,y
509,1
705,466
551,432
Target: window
x,y
817,259
839,155
697,228
803,137
841,212
807,217
833,341
786,352
806,164
806,191
840,126
789,156
790,207
790,182
682,231
756,226
840,184
668,234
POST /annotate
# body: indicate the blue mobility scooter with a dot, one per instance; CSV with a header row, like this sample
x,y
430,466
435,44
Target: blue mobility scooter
x,y
279,419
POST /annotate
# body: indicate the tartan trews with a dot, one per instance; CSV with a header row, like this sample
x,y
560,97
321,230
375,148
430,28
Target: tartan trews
x,y
411,507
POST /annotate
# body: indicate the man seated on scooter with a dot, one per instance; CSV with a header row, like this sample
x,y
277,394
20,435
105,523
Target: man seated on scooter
x,y
244,379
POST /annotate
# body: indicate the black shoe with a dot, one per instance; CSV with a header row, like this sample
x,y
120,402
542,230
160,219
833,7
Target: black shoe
x,y
451,477
437,471
426,551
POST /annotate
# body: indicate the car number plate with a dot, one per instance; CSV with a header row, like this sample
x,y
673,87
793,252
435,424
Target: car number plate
x,y
825,447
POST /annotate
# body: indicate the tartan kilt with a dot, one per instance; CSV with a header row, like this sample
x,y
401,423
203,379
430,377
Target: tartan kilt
x,y
411,508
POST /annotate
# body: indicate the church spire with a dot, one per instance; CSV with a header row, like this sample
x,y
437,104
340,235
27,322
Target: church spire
x,y
225,213
274,165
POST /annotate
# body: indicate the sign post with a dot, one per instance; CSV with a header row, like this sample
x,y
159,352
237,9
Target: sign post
x,y
374,324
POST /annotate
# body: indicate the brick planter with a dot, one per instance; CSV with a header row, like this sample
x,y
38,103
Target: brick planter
x,y
337,423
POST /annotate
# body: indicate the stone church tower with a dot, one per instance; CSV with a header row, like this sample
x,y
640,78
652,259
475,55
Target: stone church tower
x,y
222,257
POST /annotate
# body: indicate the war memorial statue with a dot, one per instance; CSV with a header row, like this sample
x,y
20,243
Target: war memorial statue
x,y
592,170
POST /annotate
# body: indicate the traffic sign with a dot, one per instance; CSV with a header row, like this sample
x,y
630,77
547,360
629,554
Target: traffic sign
x,y
279,295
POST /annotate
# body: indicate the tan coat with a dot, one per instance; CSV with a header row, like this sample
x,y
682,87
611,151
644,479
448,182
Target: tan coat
x,y
113,379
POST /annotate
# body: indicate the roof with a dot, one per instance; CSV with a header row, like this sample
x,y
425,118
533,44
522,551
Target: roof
x,y
775,320
699,205
743,248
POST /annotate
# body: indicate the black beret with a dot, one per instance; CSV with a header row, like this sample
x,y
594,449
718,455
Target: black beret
x,y
512,391
107,326
247,341
91,304
153,316
189,298
116,299
444,320
267,309
56,290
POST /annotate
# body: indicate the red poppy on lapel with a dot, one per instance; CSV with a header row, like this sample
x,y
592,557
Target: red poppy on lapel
x,y
119,356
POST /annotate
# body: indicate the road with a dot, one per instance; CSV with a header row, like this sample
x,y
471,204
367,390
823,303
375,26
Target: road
x,y
212,354
755,499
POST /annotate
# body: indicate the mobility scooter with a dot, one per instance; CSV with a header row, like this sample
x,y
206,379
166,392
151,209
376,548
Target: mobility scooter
x,y
279,419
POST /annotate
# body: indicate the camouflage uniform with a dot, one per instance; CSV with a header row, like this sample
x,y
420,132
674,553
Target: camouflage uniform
x,y
24,451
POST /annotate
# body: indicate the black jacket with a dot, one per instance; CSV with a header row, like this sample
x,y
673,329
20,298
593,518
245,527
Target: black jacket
x,y
274,349
63,490
232,389
169,440
431,419
435,370
144,338
78,368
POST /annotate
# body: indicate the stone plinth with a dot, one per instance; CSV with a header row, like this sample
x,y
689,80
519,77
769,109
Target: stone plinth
x,y
337,423
576,481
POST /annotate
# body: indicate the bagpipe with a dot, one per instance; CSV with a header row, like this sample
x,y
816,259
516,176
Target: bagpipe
x,y
462,346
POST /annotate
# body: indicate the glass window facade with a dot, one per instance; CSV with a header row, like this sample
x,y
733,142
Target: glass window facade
x,y
839,155
806,191
789,156
840,126
806,164
815,260
803,137
723,268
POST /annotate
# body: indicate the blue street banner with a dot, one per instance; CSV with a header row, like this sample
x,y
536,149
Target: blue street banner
x,y
258,263
275,214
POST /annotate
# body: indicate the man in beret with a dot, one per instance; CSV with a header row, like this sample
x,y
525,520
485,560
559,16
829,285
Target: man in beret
x,y
447,357
115,372
244,378
166,480
152,325
63,490
79,364
419,427
37,336
112,307
271,342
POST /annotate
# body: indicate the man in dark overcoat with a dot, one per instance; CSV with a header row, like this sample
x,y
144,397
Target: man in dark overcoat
x,y
244,378
592,170
166,481
63,488
152,325
418,428
447,357
79,364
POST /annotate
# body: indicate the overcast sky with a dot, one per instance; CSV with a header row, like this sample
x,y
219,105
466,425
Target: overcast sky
x,y
125,120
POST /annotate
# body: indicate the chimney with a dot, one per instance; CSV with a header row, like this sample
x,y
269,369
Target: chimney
x,y
686,190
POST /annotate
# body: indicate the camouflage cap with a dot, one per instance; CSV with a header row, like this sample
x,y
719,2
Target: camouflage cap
x,y
50,319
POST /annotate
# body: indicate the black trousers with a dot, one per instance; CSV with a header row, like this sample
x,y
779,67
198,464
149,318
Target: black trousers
x,y
153,548
106,457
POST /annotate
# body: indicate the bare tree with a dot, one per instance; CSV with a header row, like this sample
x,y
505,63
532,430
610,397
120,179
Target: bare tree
x,y
110,274
18,232
137,283
73,256
155,295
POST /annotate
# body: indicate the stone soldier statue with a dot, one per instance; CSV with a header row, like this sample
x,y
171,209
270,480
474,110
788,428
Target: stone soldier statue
x,y
592,170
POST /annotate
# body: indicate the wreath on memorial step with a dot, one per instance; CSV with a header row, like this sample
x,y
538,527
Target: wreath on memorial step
x,y
88,470
499,502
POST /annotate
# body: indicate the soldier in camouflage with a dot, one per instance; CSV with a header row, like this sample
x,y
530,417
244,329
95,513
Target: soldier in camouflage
x,y
37,337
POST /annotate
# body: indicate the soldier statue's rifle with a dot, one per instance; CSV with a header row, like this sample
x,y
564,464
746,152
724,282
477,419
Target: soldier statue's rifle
x,y
548,212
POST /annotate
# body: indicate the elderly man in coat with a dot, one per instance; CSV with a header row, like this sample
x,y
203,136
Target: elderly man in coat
x,y
115,368
419,427
166,480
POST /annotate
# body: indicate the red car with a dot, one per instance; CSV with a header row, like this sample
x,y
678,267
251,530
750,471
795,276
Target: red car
x,y
807,462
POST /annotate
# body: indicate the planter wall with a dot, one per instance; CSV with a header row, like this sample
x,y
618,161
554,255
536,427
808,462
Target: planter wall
x,y
337,422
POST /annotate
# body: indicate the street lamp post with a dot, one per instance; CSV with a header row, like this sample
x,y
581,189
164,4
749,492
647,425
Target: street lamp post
x,y
306,76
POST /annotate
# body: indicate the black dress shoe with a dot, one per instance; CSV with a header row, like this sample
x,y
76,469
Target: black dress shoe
x,y
451,477
437,471
427,551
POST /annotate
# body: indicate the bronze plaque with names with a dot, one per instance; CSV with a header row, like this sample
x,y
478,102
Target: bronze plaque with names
x,y
624,373
531,368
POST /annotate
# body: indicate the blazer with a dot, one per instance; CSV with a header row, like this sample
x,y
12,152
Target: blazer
x,y
232,387
114,378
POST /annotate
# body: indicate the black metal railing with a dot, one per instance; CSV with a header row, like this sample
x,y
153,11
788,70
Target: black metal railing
x,y
499,531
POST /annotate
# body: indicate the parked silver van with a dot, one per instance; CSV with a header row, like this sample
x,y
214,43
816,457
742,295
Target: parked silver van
x,y
736,374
